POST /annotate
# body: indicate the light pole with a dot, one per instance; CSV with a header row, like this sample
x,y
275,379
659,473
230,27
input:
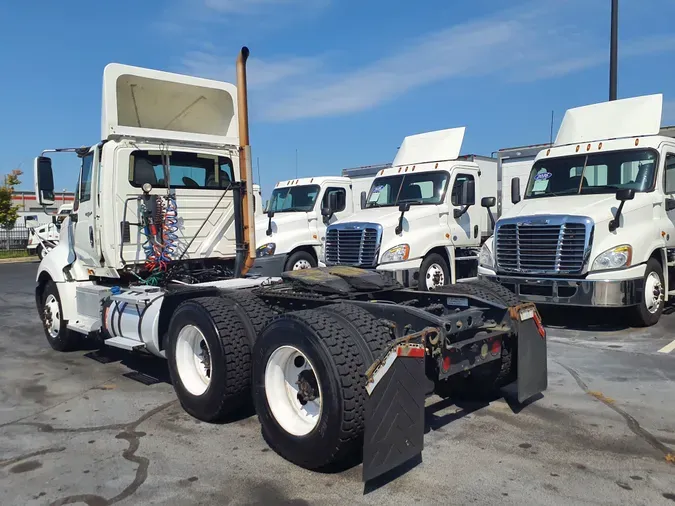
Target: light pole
x,y
614,50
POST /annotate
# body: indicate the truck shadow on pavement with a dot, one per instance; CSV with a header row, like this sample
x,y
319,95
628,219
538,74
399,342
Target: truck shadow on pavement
x,y
589,318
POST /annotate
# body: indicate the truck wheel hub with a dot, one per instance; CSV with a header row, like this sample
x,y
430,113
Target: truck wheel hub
x,y
193,360
653,292
293,390
301,264
435,276
52,316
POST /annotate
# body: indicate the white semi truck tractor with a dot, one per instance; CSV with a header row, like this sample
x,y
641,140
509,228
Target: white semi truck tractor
x,y
424,218
156,258
596,223
291,235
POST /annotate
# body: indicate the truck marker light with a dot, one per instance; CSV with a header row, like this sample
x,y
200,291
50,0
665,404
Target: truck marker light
x,y
600,146
399,169
314,236
406,169
436,165
413,169
311,180
637,141
381,172
588,148
540,327
446,364
410,351
548,151
447,236
484,350
578,146
496,347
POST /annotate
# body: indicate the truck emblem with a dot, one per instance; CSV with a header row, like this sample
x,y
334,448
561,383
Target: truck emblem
x,y
531,223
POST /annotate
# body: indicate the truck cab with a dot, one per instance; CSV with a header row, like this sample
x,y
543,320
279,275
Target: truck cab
x,y
161,188
422,219
595,225
291,234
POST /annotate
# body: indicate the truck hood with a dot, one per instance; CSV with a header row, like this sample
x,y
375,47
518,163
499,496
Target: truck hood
x,y
388,216
597,207
280,223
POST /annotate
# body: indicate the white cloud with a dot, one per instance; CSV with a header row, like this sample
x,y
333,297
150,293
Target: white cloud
x,y
513,45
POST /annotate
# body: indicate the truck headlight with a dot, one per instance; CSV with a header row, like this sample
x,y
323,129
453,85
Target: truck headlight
x,y
396,254
614,258
266,250
485,259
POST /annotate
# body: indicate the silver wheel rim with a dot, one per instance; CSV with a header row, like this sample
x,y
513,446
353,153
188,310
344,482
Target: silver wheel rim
x,y
301,264
653,292
52,316
435,276
193,360
293,391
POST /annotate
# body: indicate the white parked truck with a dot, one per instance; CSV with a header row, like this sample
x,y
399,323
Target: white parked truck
x,y
292,234
421,219
595,226
156,256
43,238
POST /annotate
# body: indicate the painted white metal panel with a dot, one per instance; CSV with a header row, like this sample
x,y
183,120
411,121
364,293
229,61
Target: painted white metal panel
x,y
153,104
430,147
630,117
514,168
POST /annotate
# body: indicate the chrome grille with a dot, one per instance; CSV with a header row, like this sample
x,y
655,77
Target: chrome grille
x,y
352,245
549,248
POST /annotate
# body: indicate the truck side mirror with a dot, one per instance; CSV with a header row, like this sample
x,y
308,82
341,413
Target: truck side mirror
x,y
622,196
404,207
327,212
515,190
363,200
488,202
468,193
44,181
270,215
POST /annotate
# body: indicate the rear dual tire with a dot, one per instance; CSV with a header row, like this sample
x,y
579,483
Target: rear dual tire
x,y
309,382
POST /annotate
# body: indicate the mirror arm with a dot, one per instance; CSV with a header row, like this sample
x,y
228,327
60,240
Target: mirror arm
x,y
492,217
614,224
399,227
458,213
269,226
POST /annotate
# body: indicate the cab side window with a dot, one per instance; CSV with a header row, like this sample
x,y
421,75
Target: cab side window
x,y
670,174
457,187
341,198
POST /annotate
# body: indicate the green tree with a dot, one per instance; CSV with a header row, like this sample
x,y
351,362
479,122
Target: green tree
x,y
8,212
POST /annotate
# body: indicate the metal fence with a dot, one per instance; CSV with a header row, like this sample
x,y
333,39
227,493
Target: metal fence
x,y
14,242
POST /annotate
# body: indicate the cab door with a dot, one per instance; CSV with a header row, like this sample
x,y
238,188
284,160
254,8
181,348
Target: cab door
x,y
85,210
465,230
669,191
344,209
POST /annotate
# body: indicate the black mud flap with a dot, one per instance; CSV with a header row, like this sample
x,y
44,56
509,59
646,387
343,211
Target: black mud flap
x,y
394,413
532,366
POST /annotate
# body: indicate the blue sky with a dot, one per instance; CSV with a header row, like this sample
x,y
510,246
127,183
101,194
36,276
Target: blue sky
x,y
341,81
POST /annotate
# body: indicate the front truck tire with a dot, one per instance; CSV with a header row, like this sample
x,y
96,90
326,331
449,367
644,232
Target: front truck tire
x,y
209,358
649,310
434,272
309,389
55,326
300,260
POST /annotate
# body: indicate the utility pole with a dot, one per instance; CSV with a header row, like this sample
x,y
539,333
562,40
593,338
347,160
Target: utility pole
x,y
614,50
296,163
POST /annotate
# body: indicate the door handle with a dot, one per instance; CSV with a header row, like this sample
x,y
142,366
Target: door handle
x,y
91,235
88,214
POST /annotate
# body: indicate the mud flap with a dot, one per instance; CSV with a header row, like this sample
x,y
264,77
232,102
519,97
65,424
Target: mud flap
x,y
394,431
531,362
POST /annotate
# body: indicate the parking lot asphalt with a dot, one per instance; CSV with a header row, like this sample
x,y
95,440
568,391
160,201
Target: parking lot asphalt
x,y
77,431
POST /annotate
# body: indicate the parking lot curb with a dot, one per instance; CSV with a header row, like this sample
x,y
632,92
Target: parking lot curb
x,y
19,260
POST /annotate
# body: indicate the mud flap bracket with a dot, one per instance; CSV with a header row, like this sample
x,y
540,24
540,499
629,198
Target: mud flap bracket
x,y
394,431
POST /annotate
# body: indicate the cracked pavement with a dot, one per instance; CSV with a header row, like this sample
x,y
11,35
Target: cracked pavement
x,y
76,431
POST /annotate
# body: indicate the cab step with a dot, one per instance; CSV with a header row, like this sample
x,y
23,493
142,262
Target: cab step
x,y
124,343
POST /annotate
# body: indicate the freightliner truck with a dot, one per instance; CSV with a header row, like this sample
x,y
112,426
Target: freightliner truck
x,y
155,258
596,224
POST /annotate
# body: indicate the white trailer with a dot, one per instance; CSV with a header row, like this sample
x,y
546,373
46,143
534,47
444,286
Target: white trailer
x,y
291,235
596,224
424,218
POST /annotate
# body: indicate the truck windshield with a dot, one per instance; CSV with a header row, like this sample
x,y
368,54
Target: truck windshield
x,y
595,173
293,199
420,188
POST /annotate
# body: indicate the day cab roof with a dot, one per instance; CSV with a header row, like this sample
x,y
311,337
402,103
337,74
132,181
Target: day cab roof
x,y
609,126
151,104
318,180
429,151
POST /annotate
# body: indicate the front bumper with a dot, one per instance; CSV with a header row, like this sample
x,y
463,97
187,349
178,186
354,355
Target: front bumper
x,y
406,273
269,266
572,292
